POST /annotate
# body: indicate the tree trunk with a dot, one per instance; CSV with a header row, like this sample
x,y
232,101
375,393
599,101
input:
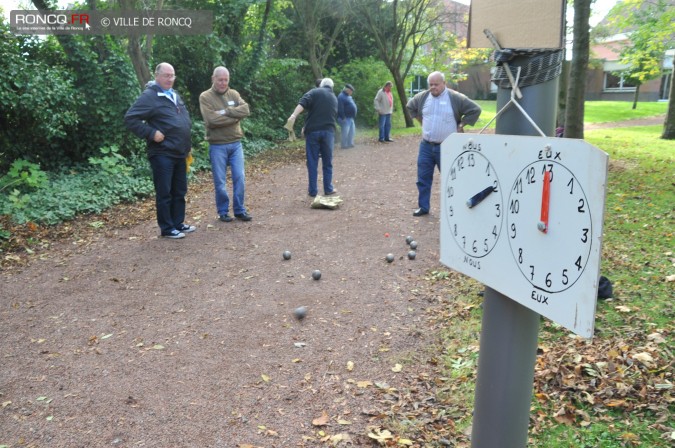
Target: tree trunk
x,y
139,57
574,113
562,93
139,61
669,125
403,97
636,96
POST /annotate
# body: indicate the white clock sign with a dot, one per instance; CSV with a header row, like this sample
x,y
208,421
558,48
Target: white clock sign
x,y
523,215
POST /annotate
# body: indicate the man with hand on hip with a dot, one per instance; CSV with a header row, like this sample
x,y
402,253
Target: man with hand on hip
x,y
384,105
159,116
441,111
223,109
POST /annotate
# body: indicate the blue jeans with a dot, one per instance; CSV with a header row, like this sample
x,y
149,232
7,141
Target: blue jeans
x,y
347,131
170,179
428,158
221,156
320,143
385,127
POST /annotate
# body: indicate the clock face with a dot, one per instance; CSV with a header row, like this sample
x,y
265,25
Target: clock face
x,y
549,226
473,203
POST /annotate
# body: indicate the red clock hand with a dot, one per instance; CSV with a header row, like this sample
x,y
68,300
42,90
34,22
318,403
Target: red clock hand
x,y
545,200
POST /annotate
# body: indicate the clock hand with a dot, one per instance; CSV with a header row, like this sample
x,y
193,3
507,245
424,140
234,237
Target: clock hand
x,y
542,225
478,197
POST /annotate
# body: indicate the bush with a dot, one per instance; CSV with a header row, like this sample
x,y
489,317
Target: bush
x,y
30,93
92,188
367,76
281,84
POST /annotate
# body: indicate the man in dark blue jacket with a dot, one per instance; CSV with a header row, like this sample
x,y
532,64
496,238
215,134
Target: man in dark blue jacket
x,y
160,118
346,115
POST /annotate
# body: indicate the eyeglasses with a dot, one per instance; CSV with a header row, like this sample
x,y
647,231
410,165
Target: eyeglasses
x,y
168,76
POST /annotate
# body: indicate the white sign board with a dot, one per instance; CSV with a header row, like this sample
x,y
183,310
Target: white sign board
x,y
523,215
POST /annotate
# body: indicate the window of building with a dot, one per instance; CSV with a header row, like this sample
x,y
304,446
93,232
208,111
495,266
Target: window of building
x,y
618,83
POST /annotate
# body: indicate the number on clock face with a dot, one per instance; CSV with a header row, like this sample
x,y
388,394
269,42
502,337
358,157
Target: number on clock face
x,y
473,203
549,225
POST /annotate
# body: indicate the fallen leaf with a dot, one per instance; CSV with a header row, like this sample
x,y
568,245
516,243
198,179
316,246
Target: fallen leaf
x,y
265,378
106,336
321,421
363,384
343,437
380,435
158,347
6,403
622,309
350,366
397,368
615,403
344,422
657,338
645,358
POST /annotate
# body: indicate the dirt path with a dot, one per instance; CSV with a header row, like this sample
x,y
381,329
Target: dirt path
x,y
134,341
138,341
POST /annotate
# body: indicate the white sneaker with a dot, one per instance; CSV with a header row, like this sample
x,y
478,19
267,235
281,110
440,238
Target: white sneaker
x,y
186,228
174,235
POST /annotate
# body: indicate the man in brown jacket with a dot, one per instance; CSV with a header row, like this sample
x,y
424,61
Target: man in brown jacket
x,y
222,109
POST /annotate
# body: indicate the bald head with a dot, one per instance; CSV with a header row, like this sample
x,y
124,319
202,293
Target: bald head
x,y
220,69
165,75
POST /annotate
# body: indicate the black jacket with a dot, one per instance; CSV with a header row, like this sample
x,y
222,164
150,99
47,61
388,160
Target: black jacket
x,y
153,111
321,107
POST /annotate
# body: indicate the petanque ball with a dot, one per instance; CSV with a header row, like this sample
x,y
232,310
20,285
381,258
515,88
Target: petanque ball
x,y
408,239
300,312
413,245
287,255
412,254
316,275
390,258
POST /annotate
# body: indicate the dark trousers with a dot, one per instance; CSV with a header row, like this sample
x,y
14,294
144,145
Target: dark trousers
x,y
170,179
428,159
319,143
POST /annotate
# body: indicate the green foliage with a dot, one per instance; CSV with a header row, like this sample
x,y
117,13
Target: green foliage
x,y
107,180
651,34
23,173
60,102
31,93
367,76
282,82
107,85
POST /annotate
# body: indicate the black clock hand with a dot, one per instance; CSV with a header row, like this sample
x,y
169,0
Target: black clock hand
x,y
478,197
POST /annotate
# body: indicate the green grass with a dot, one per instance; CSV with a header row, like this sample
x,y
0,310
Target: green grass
x,y
610,111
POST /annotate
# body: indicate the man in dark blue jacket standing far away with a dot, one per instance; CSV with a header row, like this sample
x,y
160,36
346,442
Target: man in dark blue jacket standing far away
x,y
160,118
346,115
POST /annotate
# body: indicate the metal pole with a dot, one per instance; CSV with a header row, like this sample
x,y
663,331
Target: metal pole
x,y
509,335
